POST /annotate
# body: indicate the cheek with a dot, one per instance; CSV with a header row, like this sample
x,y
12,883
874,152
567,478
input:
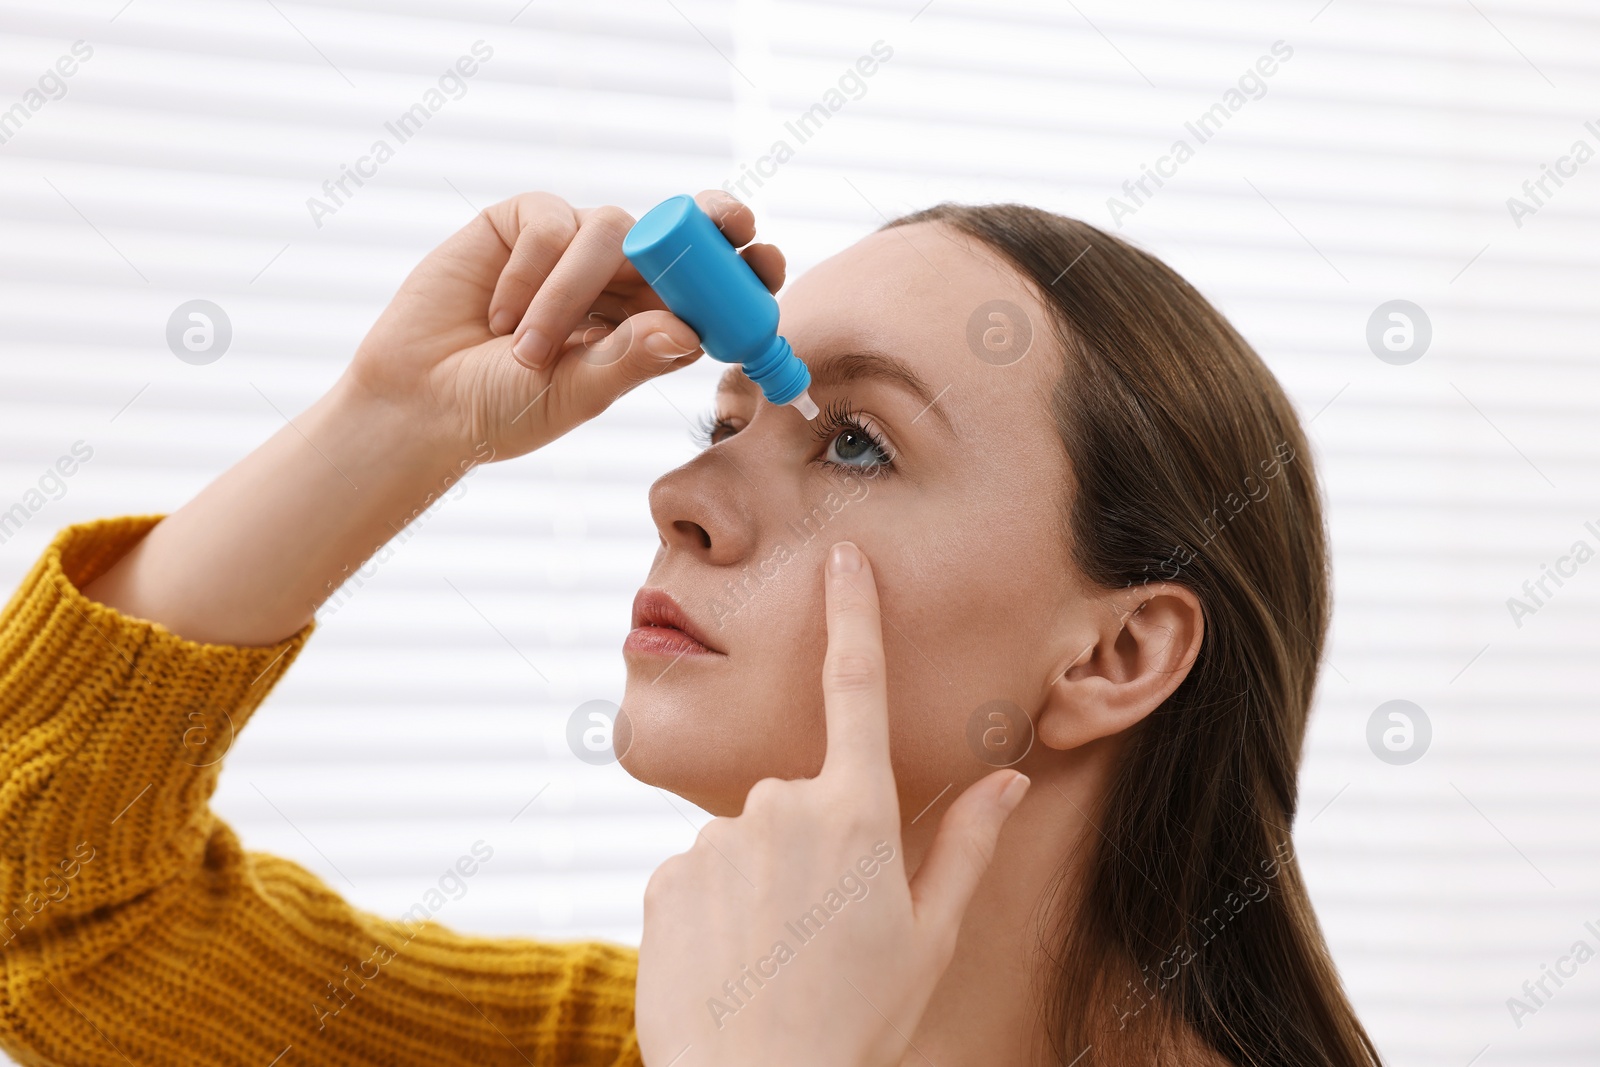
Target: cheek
x,y
961,615
963,629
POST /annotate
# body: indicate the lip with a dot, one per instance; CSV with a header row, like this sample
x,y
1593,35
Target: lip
x,y
662,627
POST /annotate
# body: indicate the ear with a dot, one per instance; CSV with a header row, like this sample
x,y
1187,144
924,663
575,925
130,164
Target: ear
x,y
1139,648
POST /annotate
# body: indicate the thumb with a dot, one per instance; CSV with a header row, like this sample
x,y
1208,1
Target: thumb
x,y
963,849
642,347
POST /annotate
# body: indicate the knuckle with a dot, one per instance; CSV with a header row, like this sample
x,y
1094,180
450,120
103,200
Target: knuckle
x,y
852,671
976,849
716,202
541,241
850,818
766,793
661,883
539,201
515,213
612,221
558,298
707,835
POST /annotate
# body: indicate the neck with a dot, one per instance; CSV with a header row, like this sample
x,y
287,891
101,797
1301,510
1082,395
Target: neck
x,y
987,1008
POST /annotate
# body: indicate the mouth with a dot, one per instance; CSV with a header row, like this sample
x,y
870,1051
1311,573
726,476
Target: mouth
x,y
661,627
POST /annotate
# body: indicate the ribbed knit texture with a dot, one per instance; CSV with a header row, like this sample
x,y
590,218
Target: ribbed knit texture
x,y
135,929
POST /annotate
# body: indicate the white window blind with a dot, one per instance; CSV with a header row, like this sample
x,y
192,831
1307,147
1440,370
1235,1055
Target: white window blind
x,y
1372,164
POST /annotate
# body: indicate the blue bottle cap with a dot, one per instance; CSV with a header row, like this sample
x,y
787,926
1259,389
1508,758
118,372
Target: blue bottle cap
x,y
705,282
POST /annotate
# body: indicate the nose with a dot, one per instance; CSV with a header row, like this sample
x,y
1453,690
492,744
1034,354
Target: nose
x,y
702,508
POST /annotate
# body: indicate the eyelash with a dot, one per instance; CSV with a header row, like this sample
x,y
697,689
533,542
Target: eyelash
x,y
706,427
837,417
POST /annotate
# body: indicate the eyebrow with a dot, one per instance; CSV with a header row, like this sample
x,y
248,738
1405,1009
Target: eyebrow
x,y
856,366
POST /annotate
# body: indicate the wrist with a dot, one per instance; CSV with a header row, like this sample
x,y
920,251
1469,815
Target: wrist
x,y
389,433
399,461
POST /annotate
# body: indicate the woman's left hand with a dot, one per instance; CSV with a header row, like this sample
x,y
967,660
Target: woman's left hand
x,y
791,934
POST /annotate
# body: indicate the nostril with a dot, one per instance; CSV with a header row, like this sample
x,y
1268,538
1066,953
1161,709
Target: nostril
x,y
695,530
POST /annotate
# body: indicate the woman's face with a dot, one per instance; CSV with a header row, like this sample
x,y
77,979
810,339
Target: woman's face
x,y
957,505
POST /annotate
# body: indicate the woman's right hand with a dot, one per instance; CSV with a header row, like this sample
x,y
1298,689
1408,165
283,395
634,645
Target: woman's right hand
x,y
529,321
433,390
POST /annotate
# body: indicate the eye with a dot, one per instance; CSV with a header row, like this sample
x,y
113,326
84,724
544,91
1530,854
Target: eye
x,y
712,428
854,447
851,444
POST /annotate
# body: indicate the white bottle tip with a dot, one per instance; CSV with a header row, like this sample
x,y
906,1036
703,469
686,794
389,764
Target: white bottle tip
x,y
806,406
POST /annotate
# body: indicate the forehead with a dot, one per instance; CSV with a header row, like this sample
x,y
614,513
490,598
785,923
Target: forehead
x,y
943,302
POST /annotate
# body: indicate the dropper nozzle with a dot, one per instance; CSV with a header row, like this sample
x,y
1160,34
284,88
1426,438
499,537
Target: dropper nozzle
x,y
702,279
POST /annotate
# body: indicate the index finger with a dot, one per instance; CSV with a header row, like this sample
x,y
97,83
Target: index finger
x,y
583,271
854,689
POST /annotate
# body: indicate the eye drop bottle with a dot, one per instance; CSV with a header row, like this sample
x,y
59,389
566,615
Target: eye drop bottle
x,y
705,282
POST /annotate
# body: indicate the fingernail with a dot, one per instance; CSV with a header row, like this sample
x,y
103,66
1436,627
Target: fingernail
x,y
1012,794
504,321
846,558
530,348
661,344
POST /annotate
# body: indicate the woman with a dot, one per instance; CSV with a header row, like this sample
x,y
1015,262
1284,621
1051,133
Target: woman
x,y
1086,518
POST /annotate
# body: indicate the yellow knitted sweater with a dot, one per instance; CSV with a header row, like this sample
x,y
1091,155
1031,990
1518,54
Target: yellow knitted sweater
x,y
134,929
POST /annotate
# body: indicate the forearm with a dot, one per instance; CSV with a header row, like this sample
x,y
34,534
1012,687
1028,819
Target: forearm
x,y
247,561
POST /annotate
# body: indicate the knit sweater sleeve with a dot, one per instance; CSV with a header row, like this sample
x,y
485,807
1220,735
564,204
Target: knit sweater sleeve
x,y
134,927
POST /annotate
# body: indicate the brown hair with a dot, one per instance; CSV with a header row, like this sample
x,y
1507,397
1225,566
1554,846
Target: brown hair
x,y
1188,465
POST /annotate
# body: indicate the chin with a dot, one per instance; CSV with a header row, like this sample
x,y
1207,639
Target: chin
x,y
680,747
707,747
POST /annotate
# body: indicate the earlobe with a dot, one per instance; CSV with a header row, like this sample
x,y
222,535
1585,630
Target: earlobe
x,y
1128,662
